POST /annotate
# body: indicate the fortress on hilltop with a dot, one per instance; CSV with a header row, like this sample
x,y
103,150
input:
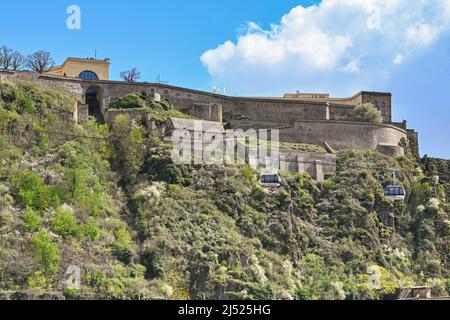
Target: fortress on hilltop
x,y
302,118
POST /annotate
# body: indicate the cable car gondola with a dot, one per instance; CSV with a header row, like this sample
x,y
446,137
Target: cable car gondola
x,y
270,180
395,192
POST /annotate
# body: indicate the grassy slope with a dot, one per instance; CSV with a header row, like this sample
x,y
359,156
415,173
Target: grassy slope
x,y
159,111
139,226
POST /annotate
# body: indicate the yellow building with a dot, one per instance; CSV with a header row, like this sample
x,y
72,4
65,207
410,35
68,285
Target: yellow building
x,y
89,69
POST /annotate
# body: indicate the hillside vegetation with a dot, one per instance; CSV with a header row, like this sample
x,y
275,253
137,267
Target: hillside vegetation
x,y
110,201
160,111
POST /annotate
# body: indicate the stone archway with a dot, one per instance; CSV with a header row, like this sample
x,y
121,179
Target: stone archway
x,y
94,101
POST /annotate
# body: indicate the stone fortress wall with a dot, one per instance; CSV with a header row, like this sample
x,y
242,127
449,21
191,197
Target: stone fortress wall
x,y
301,118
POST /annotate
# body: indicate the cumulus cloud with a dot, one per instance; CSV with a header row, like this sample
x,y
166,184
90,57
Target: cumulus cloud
x,y
336,43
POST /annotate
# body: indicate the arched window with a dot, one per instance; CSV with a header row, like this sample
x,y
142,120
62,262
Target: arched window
x,y
88,75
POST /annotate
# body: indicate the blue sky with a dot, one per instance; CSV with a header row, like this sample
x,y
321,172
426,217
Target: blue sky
x,y
264,47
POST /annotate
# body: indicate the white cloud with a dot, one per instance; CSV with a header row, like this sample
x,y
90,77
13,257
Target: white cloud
x,y
422,34
398,59
353,66
319,43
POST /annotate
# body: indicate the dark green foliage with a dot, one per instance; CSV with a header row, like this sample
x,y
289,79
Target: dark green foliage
x,y
258,292
152,262
303,294
130,101
174,174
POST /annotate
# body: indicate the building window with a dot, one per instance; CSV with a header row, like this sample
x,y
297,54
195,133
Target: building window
x,y
88,75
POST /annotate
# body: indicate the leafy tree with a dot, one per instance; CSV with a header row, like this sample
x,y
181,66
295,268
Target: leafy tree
x,y
367,113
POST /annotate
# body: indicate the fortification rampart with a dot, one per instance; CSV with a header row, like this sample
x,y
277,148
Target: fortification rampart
x,y
299,120
346,135
278,110
71,87
339,135
381,100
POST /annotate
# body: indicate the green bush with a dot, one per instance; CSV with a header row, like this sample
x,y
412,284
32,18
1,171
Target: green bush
x,y
91,231
32,221
172,174
176,174
37,281
155,269
28,104
130,101
248,174
64,223
32,192
45,252
329,185
303,294
71,293
122,249
260,292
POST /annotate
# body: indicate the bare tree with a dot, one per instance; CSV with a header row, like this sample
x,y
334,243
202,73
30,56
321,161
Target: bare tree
x,y
5,57
18,60
131,75
40,61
